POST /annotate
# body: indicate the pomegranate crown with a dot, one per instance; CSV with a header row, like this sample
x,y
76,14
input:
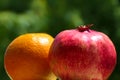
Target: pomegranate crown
x,y
83,28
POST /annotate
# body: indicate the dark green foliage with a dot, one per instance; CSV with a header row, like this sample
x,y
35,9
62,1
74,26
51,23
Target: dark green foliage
x,y
52,16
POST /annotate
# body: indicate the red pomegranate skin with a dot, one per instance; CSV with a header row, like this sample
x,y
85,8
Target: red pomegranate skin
x,y
82,54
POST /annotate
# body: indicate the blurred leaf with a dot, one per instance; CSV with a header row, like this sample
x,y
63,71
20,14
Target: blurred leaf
x,y
74,18
4,4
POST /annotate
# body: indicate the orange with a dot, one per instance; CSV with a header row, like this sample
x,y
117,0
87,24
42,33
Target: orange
x,y
26,57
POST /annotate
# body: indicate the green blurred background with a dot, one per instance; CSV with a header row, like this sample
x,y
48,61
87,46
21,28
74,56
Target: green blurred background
x,y
52,16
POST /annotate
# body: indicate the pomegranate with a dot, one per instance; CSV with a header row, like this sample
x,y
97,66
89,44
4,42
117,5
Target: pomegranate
x,y
82,54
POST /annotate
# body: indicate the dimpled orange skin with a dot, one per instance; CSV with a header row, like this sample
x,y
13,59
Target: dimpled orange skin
x,y
26,58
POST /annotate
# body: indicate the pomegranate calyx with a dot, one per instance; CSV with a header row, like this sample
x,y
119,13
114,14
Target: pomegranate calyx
x,y
83,28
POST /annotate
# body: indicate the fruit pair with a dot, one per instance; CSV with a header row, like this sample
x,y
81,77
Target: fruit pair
x,y
76,54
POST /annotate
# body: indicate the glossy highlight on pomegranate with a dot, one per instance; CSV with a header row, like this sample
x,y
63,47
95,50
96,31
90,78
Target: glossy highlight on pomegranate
x,y
82,54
